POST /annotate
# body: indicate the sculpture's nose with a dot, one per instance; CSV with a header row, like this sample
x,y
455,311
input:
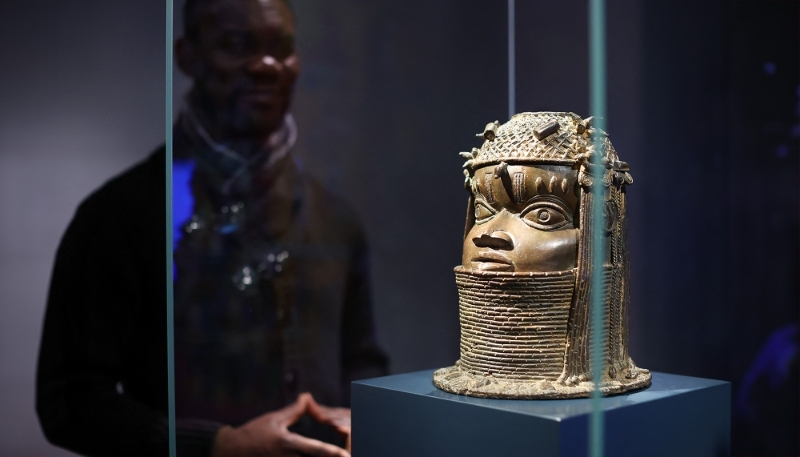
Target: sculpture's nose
x,y
497,239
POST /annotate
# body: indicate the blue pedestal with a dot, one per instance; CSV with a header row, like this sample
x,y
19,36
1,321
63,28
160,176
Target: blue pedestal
x,y
406,416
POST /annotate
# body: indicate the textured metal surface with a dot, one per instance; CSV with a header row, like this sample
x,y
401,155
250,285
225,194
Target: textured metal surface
x,y
525,283
514,326
564,136
513,333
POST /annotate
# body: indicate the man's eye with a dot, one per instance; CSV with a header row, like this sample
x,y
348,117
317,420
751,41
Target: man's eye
x,y
285,48
546,216
236,44
483,212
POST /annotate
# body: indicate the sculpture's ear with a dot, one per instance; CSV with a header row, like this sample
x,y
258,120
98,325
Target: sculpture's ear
x,y
470,215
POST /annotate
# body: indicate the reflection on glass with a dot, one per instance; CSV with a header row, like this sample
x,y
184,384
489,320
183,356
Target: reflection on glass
x,y
597,106
271,287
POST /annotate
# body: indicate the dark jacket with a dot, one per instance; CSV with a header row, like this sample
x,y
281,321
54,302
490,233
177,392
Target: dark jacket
x,y
240,351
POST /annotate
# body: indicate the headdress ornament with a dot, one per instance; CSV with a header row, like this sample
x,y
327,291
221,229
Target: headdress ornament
x,y
547,138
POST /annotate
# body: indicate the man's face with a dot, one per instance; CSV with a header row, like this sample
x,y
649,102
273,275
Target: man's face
x,y
524,220
243,64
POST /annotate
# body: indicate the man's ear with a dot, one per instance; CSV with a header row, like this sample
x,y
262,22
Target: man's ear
x,y
186,56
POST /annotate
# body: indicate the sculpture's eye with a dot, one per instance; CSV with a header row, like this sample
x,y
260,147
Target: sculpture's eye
x,y
547,215
483,212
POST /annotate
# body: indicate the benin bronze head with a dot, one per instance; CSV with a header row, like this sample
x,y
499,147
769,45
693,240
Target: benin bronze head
x,y
524,281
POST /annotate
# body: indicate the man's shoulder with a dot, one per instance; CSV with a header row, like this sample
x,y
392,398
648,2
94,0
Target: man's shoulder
x,y
124,214
139,187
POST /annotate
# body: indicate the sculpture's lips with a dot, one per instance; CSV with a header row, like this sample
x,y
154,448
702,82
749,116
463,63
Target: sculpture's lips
x,y
493,261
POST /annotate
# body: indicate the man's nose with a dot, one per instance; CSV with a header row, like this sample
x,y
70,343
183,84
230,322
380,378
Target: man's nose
x,y
497,239
264,64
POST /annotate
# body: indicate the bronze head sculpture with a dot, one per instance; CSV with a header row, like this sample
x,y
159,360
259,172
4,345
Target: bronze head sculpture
x,y
525,279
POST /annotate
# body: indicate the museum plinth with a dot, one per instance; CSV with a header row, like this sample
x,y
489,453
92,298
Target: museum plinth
x,y
405,415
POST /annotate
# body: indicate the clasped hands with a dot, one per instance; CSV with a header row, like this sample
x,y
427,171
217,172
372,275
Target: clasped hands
x,y
269,436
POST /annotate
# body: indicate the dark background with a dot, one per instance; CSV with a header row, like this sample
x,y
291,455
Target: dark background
x,y
703,102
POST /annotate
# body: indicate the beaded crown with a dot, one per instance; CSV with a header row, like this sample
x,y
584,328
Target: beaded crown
x,y
555,138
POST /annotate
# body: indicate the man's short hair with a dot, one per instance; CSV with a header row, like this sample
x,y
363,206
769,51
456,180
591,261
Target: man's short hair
x,y
193,11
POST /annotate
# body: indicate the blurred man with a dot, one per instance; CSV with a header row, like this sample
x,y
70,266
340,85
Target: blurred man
x,y
270,274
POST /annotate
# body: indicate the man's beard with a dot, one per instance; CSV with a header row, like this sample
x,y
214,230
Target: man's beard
x,y
230,122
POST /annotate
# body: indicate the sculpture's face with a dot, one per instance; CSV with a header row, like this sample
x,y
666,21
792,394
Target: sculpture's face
x,y
525,219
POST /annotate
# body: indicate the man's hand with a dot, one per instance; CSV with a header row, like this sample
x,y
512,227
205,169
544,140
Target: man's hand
x,y
269,435
338,418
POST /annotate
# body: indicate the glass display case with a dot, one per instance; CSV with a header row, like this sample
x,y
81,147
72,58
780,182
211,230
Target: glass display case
x,y
270,202
387,95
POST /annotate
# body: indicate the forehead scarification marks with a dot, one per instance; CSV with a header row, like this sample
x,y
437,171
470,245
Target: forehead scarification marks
x,y
552,184
519,187
487,185
538,185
